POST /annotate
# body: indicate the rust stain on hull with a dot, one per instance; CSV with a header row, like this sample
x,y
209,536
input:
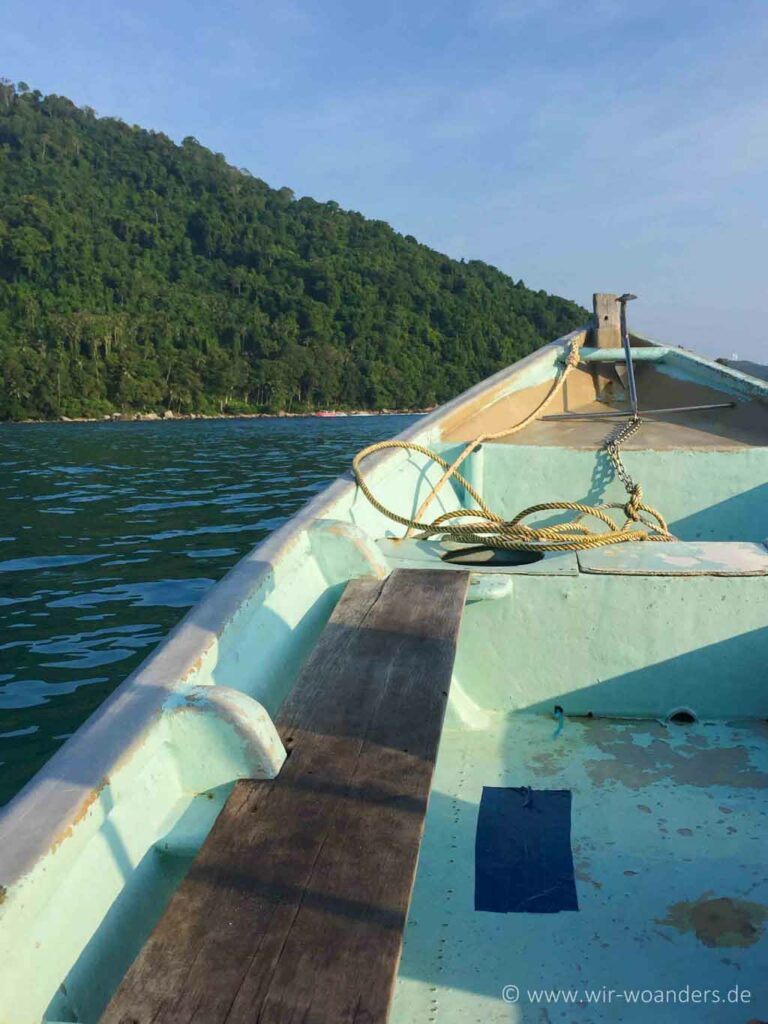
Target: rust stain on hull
x,y
718,921
85,806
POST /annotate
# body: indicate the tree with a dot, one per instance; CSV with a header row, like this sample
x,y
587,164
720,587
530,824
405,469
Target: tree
x,y
138,274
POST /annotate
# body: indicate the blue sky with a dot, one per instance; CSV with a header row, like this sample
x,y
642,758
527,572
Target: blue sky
x,y
580,145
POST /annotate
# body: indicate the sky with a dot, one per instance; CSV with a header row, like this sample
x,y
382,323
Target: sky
x,y
581,145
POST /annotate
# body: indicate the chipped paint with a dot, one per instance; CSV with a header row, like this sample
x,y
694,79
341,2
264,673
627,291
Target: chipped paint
x,y
83,810
678,558
638,764
548,762
718,921
581,872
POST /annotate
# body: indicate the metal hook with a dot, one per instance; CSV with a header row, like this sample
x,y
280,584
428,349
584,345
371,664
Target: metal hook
x,y
622,301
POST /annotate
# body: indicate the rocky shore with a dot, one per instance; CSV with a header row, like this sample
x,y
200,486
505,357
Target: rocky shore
x,y
168,415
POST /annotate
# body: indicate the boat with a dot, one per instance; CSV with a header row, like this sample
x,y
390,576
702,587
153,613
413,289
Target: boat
x,y
565,819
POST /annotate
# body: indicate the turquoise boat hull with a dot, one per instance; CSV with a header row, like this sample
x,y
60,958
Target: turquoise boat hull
x,y
655,653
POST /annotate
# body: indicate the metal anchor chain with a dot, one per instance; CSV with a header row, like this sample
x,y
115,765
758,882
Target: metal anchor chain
x,y
612,446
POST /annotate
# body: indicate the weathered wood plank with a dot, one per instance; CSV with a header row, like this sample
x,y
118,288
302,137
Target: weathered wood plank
x,y
295,906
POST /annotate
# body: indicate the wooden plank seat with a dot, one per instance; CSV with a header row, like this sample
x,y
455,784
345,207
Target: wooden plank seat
x,y
295,906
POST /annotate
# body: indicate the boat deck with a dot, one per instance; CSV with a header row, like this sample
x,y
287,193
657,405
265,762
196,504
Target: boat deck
x,y
668,826
743,425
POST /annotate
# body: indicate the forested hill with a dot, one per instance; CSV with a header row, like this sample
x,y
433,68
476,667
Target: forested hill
x,y
139,274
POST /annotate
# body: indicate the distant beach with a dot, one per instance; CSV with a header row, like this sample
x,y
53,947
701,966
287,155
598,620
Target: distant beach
x,y
169,416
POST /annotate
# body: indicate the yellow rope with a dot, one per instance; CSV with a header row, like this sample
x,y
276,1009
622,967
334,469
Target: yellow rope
x,y
490,530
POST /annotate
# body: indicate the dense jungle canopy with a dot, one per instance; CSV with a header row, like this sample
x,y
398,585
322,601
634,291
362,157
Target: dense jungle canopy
x,y
138,274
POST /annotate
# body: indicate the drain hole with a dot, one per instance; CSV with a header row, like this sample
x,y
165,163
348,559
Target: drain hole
x,y
479,555
683,716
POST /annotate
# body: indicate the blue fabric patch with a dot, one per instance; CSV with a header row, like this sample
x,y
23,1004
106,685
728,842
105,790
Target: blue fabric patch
x,y
523,859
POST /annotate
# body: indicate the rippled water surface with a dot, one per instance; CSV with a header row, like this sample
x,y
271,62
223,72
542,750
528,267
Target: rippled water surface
x,y
109,532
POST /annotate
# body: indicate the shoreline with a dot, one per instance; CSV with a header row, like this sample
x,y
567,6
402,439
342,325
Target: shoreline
x,y
175,417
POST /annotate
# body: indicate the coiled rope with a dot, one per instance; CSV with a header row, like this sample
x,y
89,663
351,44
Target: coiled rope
x,y
483,527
